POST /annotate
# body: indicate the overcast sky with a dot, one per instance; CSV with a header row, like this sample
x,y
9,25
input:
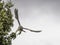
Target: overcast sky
x,y
41,15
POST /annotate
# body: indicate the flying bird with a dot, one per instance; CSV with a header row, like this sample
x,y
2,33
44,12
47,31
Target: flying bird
x,y
21,28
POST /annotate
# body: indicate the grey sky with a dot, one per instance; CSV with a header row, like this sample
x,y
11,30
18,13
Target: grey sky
x,y
38,14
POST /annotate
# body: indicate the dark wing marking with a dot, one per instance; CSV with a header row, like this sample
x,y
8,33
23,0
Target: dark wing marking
x,y
16,15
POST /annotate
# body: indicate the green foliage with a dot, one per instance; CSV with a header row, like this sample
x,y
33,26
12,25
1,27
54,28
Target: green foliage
x,y
6,22
13,35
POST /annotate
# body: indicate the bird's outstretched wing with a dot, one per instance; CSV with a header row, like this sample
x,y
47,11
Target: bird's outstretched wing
x,y
32,30
16,15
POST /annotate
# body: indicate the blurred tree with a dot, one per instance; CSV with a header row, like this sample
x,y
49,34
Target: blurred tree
x,y
6,22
